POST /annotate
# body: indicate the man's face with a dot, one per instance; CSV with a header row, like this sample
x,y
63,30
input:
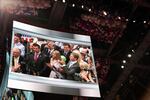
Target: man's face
x,y
50,45
31,47
36,49
16,39
16,53
66,48
72,58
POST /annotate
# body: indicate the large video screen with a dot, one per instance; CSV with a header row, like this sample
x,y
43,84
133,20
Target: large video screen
x,y
53,62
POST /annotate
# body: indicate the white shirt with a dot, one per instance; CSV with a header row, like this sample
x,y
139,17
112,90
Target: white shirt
x,y
21,47
71,63
16,61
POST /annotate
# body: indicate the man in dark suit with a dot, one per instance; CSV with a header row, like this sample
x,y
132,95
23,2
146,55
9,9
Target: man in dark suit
x,y
72,67
66,51
48,50
18,64
36,62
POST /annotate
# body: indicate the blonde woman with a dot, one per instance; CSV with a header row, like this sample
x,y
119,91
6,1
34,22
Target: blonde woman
x,y
55,64
86,72
92,71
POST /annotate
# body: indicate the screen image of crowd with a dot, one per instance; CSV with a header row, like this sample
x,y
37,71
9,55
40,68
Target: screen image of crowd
x,y
52,59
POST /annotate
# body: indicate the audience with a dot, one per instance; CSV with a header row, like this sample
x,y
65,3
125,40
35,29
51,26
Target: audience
x,y
102,68
101,28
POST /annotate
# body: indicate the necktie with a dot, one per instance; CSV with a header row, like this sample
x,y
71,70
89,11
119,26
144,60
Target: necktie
x,y
35,57
65,53
15,61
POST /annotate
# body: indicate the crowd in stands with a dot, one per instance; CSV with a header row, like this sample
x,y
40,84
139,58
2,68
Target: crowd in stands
x,y
102,68
25,7
101,27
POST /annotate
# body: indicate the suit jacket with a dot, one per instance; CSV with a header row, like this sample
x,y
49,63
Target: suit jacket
x,y
39,67
71,71
22,63
46,50
47,54
66,55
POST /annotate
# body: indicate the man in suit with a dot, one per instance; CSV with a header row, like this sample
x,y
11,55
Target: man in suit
x,y
66,51
72,67
18,64
36,62
49,48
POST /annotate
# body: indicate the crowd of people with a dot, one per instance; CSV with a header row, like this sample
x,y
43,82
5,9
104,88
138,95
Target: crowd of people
x,y
25,7
53,59
102,28
102,68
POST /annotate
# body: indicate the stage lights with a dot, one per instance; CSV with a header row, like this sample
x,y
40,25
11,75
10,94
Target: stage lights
x,y
122,66
82,6
90,10
105,13
129,55
124,61
119,17
127,19
133,51
144,22
134,21
73,5
63,1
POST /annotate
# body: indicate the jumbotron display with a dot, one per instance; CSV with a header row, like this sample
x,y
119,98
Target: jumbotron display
x,y
53,62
